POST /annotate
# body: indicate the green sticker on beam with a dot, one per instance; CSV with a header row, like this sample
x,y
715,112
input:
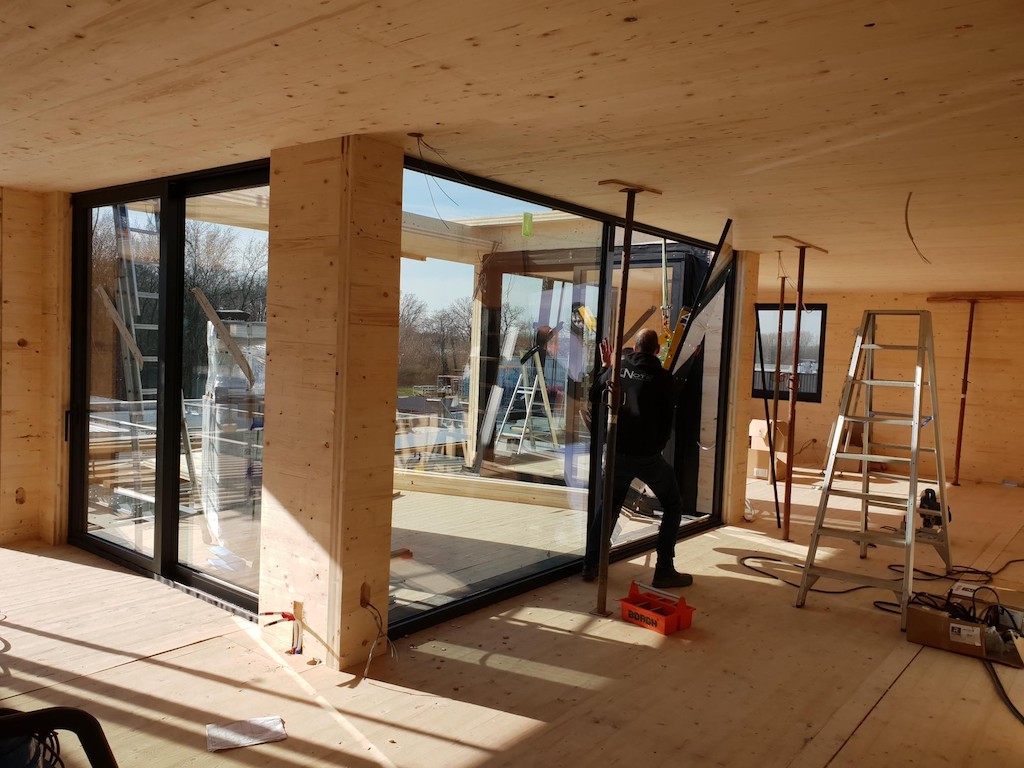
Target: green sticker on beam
x,y
527,225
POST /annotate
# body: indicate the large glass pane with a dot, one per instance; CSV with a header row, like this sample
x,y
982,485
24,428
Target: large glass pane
x,y
223,375
121,462
664,277
497,350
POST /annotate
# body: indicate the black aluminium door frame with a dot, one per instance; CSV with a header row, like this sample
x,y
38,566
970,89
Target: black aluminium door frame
x,y
173,194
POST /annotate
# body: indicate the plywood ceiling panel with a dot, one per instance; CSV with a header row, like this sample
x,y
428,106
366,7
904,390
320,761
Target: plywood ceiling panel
x,y
790,116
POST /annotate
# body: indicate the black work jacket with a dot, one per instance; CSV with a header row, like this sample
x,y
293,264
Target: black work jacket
x,y
648,400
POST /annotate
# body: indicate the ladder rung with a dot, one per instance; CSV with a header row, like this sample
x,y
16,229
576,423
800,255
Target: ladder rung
x,y
892,476
887,447
141,231
873,537
871,457
885,383
149,358
147,327
856,578
149,391
903,347
892,502
148,295
905,421
892,415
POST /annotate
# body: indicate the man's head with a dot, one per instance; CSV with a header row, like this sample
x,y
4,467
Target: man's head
x,y
647,341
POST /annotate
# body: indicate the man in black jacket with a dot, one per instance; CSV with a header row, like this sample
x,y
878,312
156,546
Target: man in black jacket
x,y
644,426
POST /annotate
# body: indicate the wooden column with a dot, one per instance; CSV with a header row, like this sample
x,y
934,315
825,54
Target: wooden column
x,y
332,367
35,247
741,375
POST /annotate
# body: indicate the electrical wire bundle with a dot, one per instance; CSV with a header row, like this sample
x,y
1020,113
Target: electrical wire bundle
x,y
961,609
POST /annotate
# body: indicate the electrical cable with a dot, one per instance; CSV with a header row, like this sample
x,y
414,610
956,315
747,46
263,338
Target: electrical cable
x,y
942,602
1001,690
770,559
392,648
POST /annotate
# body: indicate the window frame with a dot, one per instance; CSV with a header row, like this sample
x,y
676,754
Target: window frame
x,y
761,347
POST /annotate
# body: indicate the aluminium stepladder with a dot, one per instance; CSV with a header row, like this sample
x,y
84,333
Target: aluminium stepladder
x,y
864,396
526,389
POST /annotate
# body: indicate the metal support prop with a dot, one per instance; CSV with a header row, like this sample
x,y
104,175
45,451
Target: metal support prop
x,y
794,376
794,389
778,354
769,423
963,396
614,397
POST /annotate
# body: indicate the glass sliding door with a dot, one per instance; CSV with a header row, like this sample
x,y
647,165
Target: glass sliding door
x,y
224,355
168,359
664,278
497,349
120,465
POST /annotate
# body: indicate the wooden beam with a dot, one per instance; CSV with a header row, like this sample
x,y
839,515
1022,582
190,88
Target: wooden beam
x,y
974,297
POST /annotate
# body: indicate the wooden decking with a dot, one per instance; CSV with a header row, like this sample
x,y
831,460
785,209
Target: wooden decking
x,y
537,680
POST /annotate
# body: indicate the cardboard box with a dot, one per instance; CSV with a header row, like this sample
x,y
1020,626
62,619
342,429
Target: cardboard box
x,y
759,435
758,463
936,628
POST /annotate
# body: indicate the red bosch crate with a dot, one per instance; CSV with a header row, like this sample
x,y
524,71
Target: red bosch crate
x,y
661,611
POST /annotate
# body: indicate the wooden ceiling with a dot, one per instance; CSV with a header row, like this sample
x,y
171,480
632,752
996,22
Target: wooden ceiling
x,y
800,117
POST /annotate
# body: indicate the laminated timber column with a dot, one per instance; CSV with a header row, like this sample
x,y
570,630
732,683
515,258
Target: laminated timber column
x,y
35,263
332,368
741,375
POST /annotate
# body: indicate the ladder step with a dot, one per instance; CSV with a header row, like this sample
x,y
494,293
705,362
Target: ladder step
x,y
147,327
892,502
873,537
892,476
149,358
888,447
886,383
148,391
902,347
872,457
148,295
856,578
904,421
140,231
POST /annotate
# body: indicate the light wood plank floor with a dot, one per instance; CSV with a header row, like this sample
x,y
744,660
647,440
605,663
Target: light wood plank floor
x,y
537,680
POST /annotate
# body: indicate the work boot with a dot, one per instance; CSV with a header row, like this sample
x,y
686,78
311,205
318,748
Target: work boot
x,y
669,578
589,573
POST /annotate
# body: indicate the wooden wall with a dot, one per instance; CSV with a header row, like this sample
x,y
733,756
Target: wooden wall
x,y
332,363
35,261
991,447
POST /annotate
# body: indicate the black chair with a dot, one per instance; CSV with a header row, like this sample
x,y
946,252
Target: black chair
x,y
34,728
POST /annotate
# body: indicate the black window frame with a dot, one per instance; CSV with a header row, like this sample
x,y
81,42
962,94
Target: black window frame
x,y
764,347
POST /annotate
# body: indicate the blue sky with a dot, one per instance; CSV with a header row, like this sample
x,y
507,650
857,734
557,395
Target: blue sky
x,y
436,282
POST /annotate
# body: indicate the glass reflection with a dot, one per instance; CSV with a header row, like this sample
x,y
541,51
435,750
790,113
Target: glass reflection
x,y
224,355
125,276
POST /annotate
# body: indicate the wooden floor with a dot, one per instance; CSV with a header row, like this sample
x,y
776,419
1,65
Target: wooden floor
x,y
537,680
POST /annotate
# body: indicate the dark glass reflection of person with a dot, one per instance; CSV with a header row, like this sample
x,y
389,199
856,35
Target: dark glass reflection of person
x,y
644,427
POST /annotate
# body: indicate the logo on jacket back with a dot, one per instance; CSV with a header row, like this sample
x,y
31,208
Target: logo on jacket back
x,y
626,373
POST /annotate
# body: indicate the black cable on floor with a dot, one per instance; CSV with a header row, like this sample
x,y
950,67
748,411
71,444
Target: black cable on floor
x,y
1001,690
923,598
770,559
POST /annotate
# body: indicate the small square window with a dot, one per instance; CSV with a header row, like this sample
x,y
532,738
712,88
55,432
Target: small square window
x,y
811,363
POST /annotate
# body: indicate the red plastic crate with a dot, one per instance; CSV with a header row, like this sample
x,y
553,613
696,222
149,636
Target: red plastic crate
x,y
658,611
